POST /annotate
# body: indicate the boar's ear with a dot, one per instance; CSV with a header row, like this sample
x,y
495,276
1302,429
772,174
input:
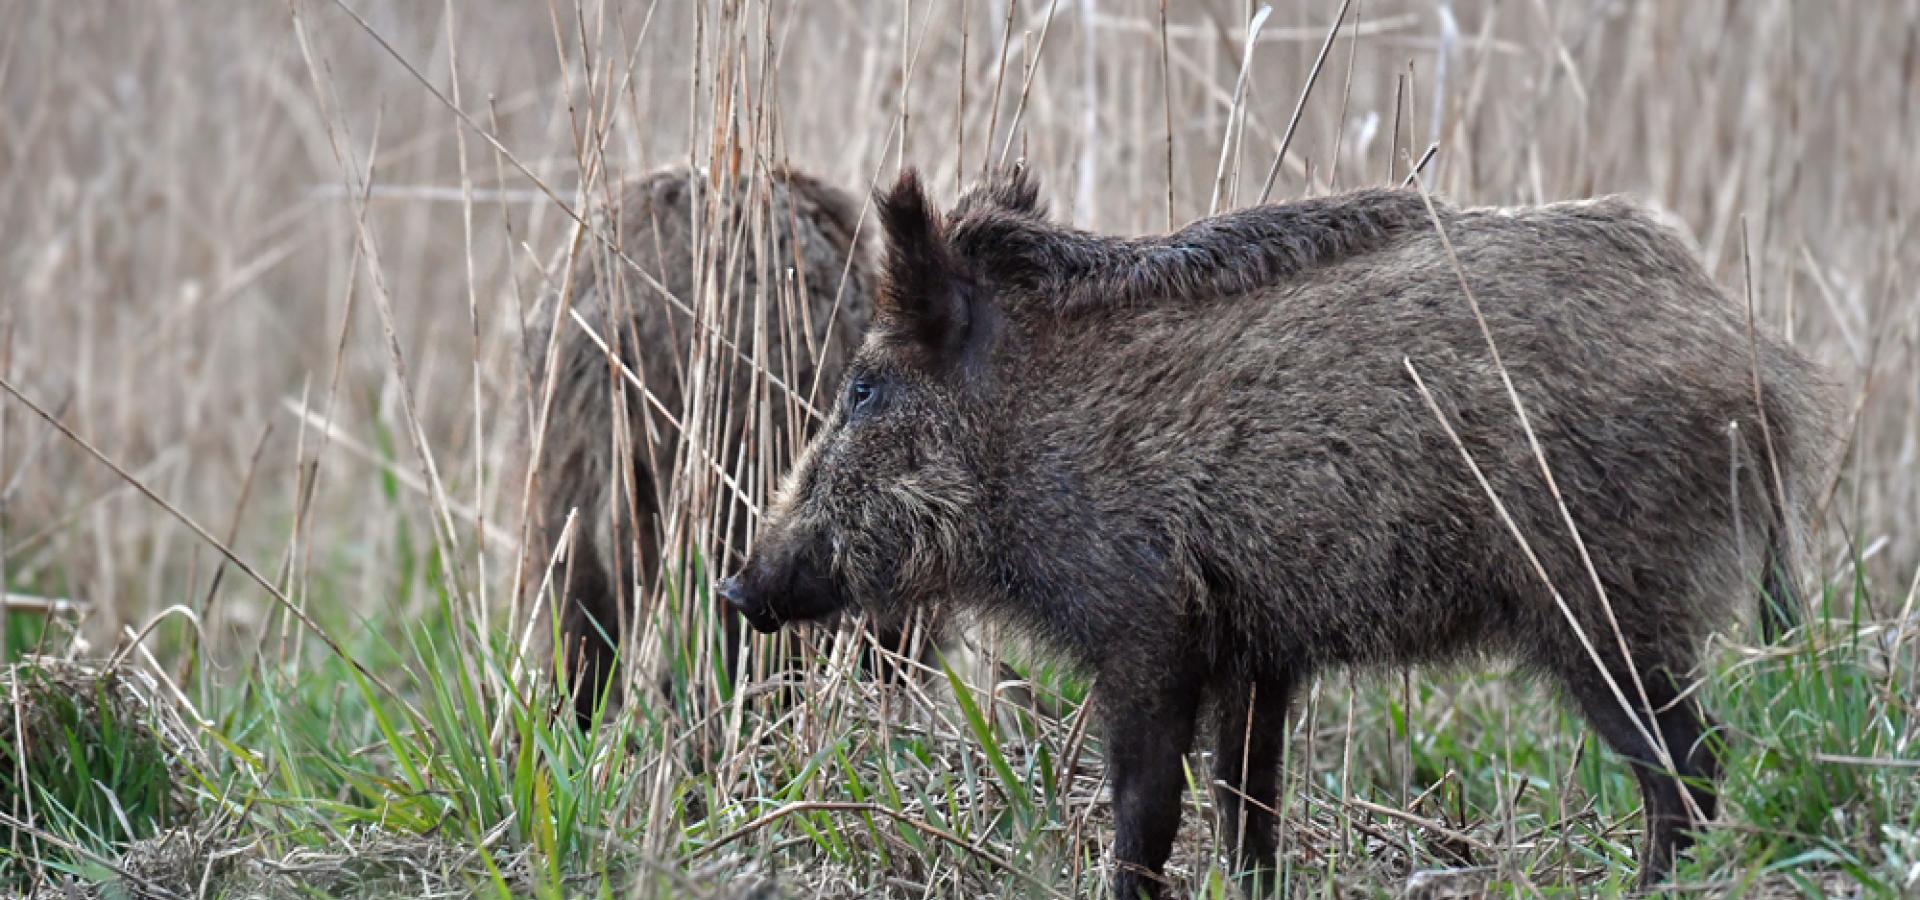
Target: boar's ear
x,y
927,296
1010,189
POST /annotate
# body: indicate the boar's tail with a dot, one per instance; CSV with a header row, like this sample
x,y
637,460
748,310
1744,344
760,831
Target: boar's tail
x,y
1781,610
1799,446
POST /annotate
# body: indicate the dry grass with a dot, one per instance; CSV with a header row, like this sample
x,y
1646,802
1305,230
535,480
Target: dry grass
x,y
273,259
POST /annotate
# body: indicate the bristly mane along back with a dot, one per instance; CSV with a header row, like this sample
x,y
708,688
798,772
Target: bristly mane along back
x,y
999,233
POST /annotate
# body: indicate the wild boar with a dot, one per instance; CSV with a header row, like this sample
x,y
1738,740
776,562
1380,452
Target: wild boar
x,y
779,252
1200,466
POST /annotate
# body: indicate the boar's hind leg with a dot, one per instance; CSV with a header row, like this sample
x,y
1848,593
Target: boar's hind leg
x,y
1250,733
1678,799
1149,729
600,585
589,629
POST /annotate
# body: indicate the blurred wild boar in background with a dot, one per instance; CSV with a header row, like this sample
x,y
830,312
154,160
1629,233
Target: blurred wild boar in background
x,y
769,281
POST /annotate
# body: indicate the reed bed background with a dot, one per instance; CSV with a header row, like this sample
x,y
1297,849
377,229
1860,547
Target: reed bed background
x,y
276,261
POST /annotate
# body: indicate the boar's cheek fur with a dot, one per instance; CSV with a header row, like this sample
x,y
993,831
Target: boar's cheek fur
x,y
897,518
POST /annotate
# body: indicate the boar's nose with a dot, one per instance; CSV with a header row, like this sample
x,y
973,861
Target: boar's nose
x,y
757,614
730,591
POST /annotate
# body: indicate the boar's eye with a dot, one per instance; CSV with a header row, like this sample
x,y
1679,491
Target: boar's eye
x,y
860,394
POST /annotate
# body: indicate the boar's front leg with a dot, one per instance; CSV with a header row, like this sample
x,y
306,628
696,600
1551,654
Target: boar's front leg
x,y
1149,710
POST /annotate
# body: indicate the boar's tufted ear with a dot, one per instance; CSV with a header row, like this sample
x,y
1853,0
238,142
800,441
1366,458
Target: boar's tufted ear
x,y
926,295
1010,189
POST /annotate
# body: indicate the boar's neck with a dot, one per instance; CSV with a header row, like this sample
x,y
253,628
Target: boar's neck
x,y
1090,492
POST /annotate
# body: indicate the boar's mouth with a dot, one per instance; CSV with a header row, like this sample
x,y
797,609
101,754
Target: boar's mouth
x,y
761,617
769,599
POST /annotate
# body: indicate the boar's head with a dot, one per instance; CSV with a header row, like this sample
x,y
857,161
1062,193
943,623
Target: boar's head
x,y
884,507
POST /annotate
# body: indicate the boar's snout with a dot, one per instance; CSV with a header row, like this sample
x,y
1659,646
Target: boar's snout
x,y
785,581
756,613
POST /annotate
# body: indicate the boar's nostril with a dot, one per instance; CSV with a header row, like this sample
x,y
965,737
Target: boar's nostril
x,y
730,591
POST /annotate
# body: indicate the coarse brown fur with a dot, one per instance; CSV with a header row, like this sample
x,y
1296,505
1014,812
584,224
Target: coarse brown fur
x,y
1199,466
768,254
